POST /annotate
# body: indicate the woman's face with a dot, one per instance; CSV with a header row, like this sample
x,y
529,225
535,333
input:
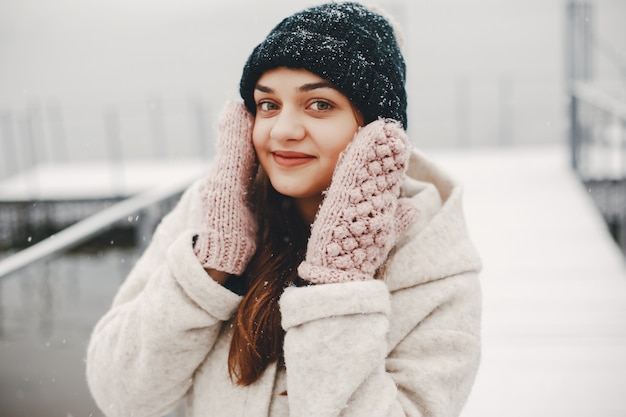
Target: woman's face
x,y
302,124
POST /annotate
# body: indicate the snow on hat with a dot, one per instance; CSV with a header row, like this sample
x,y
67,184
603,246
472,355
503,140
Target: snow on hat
x,y
351,46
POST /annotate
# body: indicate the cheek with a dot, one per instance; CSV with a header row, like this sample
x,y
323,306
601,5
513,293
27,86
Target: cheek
x,y
335,148
260,141
331,157
257,137
334,154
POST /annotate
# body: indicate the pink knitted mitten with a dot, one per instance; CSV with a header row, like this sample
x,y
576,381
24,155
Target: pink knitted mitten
x,y
361,216
227,240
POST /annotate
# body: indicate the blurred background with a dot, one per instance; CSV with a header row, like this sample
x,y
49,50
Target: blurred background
x,y
107,109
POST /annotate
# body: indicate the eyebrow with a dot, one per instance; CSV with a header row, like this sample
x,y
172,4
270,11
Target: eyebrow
x,y
315,86
303,88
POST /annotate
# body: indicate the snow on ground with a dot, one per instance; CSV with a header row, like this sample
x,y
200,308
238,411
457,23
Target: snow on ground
x,y
554,284
97,179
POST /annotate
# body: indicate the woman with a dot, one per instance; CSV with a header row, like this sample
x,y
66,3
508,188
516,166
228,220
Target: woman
x,y
321,269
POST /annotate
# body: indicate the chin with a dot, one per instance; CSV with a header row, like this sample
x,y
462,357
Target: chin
x,y
294,192
289,192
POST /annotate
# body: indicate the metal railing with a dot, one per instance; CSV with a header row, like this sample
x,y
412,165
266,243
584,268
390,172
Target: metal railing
x,y
598,146
93,225
597,116
598,133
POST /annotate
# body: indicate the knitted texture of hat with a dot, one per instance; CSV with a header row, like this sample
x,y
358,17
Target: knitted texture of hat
x,y
362,215
345,43
227,239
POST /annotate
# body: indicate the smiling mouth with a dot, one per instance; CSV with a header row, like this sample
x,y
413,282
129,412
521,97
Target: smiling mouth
x,y
290,159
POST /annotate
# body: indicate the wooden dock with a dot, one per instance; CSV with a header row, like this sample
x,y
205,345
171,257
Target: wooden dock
x,y
554,284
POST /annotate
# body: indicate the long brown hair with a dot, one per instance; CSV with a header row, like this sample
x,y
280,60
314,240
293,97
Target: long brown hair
x,y
258,336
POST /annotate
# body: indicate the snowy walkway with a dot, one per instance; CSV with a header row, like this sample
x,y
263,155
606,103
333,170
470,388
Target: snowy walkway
x,y
554,321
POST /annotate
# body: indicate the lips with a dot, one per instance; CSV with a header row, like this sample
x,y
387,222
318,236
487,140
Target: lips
x,y
291,159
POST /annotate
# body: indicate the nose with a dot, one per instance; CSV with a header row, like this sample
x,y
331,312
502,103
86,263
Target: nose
x,y
287,126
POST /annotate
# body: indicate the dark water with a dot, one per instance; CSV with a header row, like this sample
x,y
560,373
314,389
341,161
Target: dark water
x,y
47,312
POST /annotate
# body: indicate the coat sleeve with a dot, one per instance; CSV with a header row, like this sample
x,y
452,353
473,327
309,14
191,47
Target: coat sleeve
x,y
342,359
165,318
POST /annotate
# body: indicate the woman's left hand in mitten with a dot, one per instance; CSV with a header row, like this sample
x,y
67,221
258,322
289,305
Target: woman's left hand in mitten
x,y
362,215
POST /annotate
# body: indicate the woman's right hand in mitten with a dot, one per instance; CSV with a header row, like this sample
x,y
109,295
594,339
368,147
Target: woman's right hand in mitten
x,y
228,236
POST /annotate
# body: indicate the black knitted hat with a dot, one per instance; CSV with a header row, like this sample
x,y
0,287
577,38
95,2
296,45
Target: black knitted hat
x,y
345,43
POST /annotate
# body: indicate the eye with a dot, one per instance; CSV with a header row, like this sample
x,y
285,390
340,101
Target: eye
x,y
266,106
321,105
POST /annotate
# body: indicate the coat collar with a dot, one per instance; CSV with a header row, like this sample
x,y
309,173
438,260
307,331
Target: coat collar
x,y
438,244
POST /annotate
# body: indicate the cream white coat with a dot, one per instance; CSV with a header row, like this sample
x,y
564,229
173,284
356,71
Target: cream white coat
x,y
408,345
